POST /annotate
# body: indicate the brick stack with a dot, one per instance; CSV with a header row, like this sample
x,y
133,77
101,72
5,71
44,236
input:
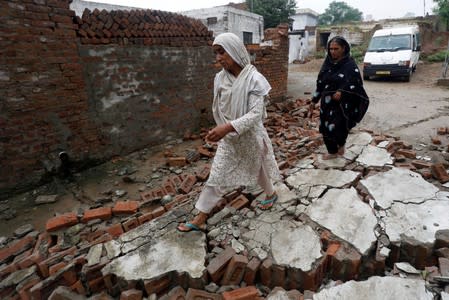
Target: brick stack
x,y
148,27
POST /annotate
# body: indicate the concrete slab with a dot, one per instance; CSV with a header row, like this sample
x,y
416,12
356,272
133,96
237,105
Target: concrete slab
x,y
417,221
377,288
345,215
359,138
312,177
295,245
403,186
175,251
373,156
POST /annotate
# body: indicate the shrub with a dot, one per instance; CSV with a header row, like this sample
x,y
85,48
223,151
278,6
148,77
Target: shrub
x,y
438,57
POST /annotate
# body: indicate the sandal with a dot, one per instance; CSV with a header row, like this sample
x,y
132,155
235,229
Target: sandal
x,y
190,227
268,202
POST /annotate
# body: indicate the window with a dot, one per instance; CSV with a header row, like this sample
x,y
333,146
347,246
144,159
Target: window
x,y
247,37
211,21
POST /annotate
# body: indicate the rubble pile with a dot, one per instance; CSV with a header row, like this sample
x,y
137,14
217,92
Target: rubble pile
x,y
335,229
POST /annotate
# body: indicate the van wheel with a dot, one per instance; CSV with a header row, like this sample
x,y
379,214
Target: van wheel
x,y
408,76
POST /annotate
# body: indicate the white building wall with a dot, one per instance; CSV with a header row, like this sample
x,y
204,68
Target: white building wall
x,y
230,19
301,21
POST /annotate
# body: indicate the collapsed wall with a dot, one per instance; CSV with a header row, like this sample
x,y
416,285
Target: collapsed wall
x,y
104,84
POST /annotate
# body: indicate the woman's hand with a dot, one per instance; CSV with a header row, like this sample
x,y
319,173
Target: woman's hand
x,y
336,96
217,133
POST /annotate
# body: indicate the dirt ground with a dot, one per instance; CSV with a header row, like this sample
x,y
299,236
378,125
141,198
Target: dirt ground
x,y
411,110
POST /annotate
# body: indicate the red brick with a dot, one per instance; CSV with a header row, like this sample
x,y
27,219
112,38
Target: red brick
x,y
203,174
194,294
169,187
407,153
23,288
204,152
7,269
239,202
176,161
235,270
266,272
278,273
157,286
56,267
16,248
251,271
96,285
187,184
245,293
439,172
157,212
217,265
79,288
115,230
62,221
420,164
130,224
44,265
103,213
125,207
177,293
131,295
436,140
145,218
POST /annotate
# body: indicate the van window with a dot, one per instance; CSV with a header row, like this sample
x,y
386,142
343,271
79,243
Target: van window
x,y
390,43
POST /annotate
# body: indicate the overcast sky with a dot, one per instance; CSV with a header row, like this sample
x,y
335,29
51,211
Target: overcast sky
x,y
378,9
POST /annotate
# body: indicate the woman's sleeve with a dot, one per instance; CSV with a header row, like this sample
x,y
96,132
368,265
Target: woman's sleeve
x,y
256,108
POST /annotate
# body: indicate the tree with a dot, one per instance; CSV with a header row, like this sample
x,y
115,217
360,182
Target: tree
x,y
442,10
339,12
274,12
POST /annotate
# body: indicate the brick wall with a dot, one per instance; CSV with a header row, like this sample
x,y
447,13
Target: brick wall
x,y
42,91
104,84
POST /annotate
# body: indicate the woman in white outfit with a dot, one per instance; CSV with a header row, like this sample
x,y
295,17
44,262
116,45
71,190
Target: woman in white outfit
x,y
244,155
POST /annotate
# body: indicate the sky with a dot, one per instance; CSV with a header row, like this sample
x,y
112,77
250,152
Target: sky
x,y
378,9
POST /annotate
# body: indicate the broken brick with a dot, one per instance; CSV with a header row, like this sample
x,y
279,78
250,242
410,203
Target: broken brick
x,y
244,293
125,207
235,270
239,202
187,184
103,213
176,161
439,172
217,265
61,221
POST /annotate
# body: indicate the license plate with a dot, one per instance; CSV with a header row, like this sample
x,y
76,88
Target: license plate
x,y
382,72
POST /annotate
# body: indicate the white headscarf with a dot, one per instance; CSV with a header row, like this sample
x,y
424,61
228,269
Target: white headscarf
x,y
231,94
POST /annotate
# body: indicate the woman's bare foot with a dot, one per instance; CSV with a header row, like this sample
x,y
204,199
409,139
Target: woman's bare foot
x,y
328,156
197,224
341,150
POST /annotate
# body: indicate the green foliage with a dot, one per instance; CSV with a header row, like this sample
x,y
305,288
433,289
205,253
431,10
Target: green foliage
x,y
437,57
442,10
274,12
339,12
358,53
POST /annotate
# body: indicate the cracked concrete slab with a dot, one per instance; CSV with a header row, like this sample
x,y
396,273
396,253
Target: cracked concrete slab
x,y
347,216
312,177
403,186
174,251
295,245
373,156
377,288
417,221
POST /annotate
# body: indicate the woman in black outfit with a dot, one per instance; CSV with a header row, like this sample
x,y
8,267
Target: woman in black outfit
x,y
343,98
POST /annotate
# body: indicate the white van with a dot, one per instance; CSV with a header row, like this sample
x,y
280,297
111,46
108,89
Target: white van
x,y
392,52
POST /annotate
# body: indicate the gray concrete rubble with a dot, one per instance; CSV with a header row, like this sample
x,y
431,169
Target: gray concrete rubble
x,y
159,254
347,216
336,219
377,288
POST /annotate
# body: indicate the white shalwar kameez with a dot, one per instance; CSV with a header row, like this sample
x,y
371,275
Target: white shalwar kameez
x,y
244,157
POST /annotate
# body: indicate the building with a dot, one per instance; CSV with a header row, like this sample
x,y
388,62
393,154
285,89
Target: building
x,y
302,34
227,18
